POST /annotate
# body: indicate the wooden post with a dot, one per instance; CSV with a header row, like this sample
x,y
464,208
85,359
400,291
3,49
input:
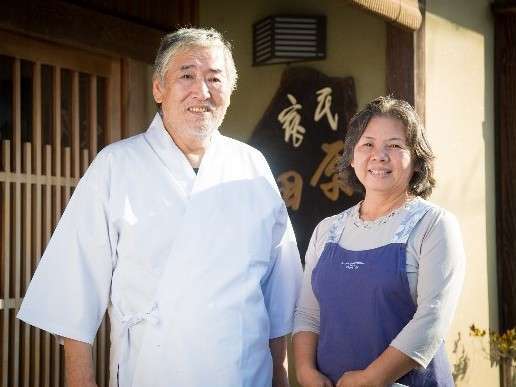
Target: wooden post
x,y
57,198
400,63
16,225
93,117
37,222
6,242
47,229
66,180
76,157
505,159
27,257
505,121
405,70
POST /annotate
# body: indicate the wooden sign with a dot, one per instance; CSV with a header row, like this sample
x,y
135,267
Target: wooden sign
x,y
302,136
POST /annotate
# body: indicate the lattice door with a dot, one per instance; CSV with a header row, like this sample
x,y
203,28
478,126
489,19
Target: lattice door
x,y
58,107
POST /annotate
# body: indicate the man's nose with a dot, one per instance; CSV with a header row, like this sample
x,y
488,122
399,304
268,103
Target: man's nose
x,y
201,89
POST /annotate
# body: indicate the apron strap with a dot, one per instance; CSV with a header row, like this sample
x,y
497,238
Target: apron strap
x,y
415,212
338,227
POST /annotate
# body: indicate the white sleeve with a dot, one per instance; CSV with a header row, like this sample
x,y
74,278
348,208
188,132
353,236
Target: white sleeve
x,y
281,286
439,284
69,291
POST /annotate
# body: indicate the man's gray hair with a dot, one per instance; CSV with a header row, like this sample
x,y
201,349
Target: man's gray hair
x,y
193,37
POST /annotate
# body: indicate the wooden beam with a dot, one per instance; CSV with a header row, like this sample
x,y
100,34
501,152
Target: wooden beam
x,y
504,8
74,25
33,50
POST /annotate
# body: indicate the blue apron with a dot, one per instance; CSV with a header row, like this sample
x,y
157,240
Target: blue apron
x,y
365,301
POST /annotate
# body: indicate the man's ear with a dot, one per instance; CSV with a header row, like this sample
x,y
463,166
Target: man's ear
x,y
157,90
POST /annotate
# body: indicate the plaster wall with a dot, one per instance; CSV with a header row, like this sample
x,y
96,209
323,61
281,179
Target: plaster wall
x,y
460,123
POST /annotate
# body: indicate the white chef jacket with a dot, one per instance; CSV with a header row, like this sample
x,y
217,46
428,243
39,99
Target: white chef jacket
x,y
198,272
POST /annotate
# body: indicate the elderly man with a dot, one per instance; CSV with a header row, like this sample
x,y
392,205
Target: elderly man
x,y
182,235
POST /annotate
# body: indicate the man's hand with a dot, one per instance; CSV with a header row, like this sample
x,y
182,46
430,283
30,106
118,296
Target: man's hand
x,y
278,347
310,377
78,364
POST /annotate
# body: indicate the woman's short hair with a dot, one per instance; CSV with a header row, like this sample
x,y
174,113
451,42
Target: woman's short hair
x,y
422,181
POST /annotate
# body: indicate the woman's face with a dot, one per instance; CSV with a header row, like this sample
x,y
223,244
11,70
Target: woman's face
x,y
381,159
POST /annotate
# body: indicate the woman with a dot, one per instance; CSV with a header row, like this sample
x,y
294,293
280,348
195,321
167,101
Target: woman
x,y
382,279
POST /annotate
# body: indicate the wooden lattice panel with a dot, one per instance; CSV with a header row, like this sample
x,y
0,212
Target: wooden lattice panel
x,y
41,162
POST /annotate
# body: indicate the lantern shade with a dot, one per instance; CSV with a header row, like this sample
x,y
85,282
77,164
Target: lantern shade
x,y
285,39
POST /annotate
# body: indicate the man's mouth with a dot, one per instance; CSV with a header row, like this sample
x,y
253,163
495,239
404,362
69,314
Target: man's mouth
x,y
199,109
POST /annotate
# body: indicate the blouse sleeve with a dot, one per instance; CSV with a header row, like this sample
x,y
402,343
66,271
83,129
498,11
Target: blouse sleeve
x,y
439,284
307,316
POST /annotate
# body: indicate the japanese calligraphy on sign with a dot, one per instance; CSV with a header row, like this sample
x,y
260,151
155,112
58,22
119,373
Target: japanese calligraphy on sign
x,y
290,120
324,107
302,136
329,166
